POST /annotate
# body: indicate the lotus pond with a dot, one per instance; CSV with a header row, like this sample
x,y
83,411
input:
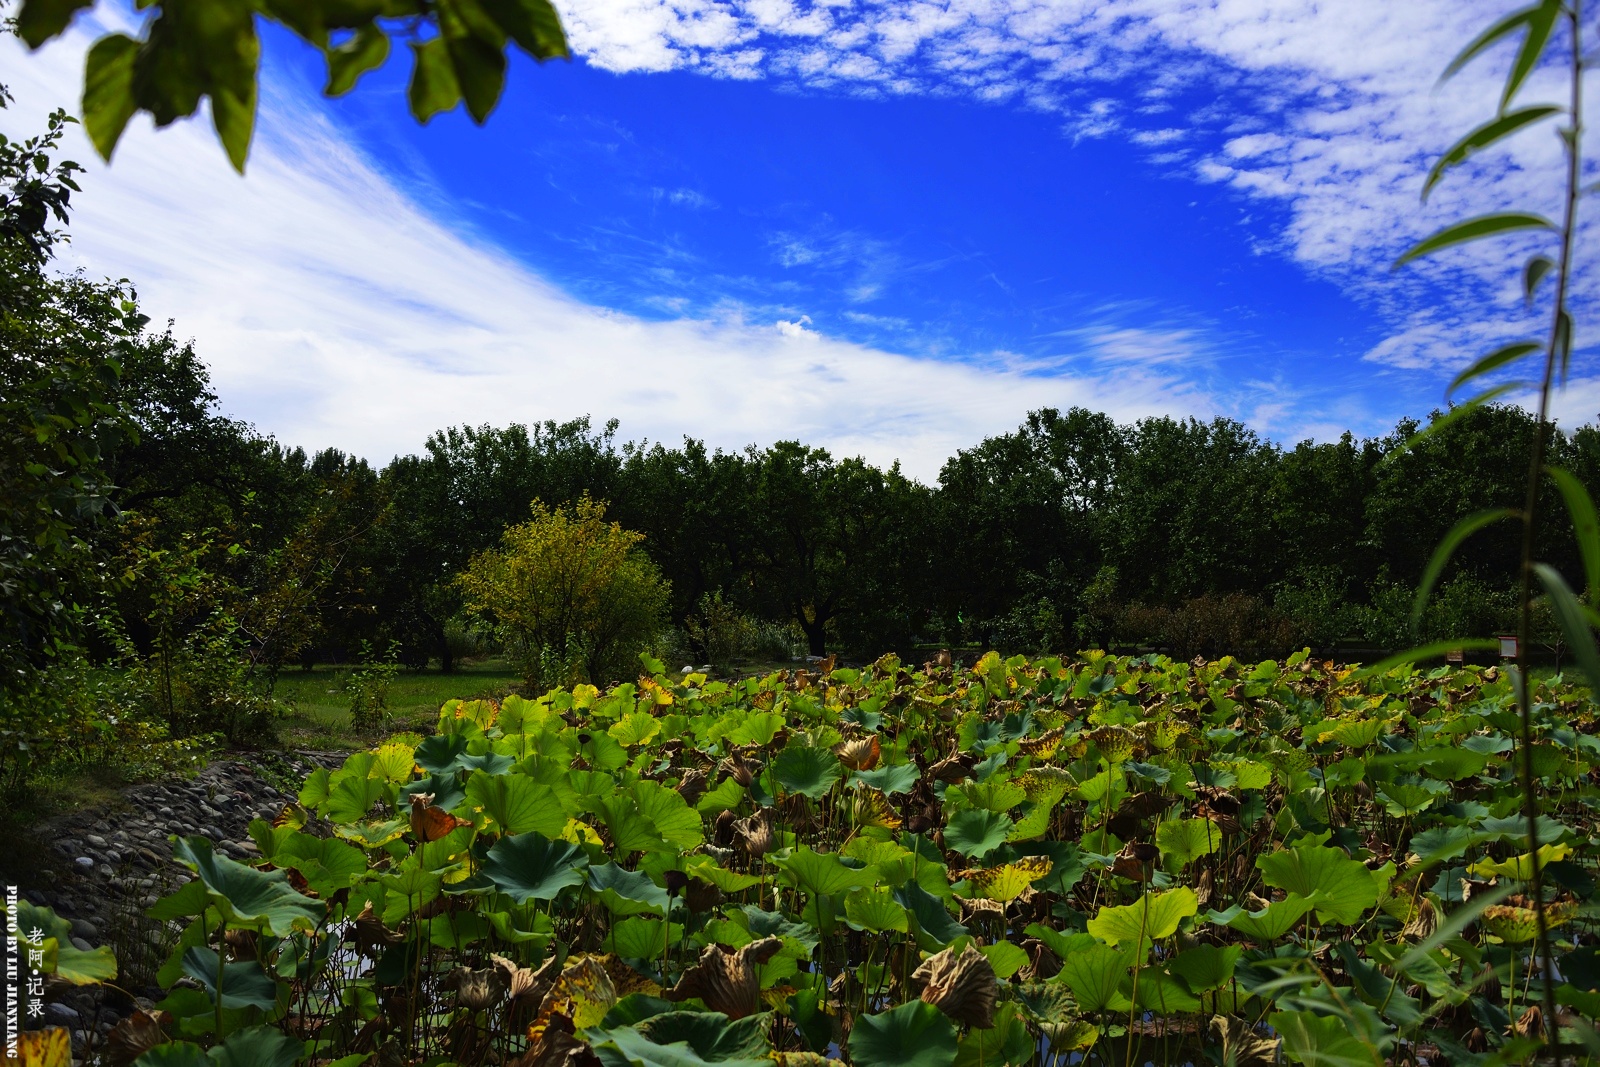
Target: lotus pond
x,y
1108,859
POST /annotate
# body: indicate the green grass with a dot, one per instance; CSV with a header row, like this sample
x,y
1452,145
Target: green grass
x,y
319,707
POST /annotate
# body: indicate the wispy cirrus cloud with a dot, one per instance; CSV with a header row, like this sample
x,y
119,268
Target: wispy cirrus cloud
x,y
334,310
1329,112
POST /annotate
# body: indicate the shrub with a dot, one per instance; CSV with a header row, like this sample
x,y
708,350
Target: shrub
x,y
571,596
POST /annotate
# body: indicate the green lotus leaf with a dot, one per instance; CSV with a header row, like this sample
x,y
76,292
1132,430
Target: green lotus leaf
x,y
349,799
976,832
630,831
727,796
394,762
245,896
408,892
686,1039
932,923
889,780
1322,1041
757,728
1353,734
1402,800
255,1046
1206,967
668,813
635,728
1182,841
1095,977
707,870
441,753
628,892
806,770
1268,924
641,938
530,866
327,865
1153,915
820,873
1153,989
1006,1044
915,1034
875,910
515,804
373,834
1343,887
1005,957
268,838
244,985
996,794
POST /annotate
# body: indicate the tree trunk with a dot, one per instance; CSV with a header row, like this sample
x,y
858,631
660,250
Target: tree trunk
x,y
816,633
442,643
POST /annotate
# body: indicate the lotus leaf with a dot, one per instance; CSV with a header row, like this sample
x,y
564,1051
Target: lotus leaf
x,y
530,866
1343,888
915,1034
246,897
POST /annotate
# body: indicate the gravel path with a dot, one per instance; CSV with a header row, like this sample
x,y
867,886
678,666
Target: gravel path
x,y
101,868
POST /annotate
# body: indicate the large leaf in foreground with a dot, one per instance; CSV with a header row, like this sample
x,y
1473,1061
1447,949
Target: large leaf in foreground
x,y
246,897
916,1034
1343,887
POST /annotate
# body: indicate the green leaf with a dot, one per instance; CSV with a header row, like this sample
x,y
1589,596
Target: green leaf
x,y
441,753
640,938
433,81
635,728
1005,957
1495,129
327,865
233,89
889,780
727,796
821,873
1322,1041
1500,357
351,798
246,897
1474,229
807,770
686,1039
244,985
1573,622
1533,273
1456,413
40,20
668,813
915,1034
1183,841
1095,976
1462,530
1206,967
976,832
530,866
626,892
364,51
1541,20
1006,1044
515,804
536,28
875,909
1343,888
1268,924
1156,915
934,926
476,48
257,1046
1506,25
1585,525
108,99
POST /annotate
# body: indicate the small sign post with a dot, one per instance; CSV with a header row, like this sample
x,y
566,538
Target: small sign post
x,y
1455,655
1509,647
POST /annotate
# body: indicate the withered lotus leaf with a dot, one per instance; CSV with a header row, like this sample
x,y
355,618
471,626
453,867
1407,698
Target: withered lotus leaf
x,y
963,986
134,1036
727,979
861,753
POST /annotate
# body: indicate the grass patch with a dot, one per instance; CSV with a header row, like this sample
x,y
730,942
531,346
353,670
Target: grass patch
x,y
319,706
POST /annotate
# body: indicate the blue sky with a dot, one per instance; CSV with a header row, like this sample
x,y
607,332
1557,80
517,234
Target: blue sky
x,y
886,228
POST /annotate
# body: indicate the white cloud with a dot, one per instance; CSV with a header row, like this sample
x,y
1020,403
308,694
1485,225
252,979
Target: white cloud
x,y
1328,109
334,311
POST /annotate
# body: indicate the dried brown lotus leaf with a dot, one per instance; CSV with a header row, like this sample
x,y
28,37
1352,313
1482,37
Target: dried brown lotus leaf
x,y
481,988
727,980
523,984
371,935
861,753
869,807
692,785
1242,1044
963,986
134,1036
755,834
956,767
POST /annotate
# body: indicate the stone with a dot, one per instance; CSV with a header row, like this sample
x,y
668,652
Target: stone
x,y
84,864
80,943
85,929
58,1014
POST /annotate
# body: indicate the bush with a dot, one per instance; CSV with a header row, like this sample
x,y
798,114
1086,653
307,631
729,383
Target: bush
x,y
571,596
1212,625
368,687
